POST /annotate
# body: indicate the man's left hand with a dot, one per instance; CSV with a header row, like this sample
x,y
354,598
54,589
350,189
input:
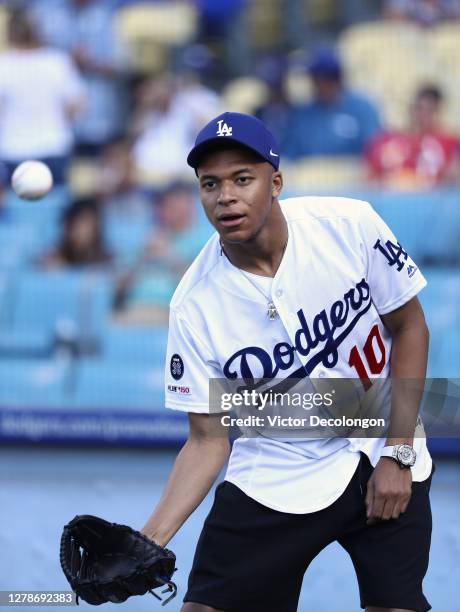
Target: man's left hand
x,y
389,491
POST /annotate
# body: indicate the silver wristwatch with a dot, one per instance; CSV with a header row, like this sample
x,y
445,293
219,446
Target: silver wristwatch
x,y
403,454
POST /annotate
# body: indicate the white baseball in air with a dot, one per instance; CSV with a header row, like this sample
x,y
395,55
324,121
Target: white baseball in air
x,y
32,180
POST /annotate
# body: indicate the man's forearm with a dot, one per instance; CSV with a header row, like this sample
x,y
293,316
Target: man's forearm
x,y
194,472
408,371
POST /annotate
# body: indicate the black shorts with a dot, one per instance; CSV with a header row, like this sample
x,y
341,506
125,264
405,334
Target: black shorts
x,y
250,558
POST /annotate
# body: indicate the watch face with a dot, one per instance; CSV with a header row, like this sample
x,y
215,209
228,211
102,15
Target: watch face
x,y
406,454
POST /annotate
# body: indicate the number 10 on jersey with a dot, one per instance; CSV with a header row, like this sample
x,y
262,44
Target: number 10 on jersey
x,y
375,362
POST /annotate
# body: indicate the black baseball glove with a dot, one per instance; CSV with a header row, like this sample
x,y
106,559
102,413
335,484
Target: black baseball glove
x,y
109,562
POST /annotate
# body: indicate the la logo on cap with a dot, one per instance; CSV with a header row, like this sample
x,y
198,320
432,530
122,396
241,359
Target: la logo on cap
x,y
224,129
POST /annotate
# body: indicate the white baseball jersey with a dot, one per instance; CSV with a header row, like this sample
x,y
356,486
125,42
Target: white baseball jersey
x,y
341,269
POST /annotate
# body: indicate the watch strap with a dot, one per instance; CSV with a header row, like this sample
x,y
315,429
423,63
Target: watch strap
x,y
392,452
389,451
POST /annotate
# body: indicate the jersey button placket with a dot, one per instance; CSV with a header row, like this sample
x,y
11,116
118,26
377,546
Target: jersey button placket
x,y
277,296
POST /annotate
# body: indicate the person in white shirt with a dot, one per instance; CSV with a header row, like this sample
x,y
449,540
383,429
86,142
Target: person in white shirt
x,y
40,94
309,288
168,115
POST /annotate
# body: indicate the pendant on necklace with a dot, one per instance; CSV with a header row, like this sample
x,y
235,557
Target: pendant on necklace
x,y
272,313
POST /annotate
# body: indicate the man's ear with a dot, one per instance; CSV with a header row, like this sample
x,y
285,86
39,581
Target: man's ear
x,y
277,184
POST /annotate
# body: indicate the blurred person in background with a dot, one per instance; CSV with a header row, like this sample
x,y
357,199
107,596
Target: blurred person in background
x,y
195,97
336,121
275,111
351,12
216,16
423,155
425,13
85,28
167,115
116,186
81,243
223,27
41,93
114,170
144,292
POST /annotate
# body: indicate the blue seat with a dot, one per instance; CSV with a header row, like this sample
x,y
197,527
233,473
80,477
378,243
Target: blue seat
x,y
36,383
33,212
135,344
18,244
440,303
126,240
43,300
42,218
25,343
4,296
100,291
409,219
118,386
427,224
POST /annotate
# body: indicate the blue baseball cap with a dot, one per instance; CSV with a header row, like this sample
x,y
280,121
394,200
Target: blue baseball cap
x,y
324,62
238,128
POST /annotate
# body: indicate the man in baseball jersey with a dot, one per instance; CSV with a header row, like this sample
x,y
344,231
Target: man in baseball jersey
x,y
313,288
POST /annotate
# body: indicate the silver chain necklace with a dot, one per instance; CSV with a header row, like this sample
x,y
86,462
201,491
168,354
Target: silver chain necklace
x,y
272,313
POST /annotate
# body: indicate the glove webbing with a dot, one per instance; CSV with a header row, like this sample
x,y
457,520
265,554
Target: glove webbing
x,y
78,568
171,588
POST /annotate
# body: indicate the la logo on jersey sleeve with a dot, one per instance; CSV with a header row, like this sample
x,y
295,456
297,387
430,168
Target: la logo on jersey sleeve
x,y
393,276
396,256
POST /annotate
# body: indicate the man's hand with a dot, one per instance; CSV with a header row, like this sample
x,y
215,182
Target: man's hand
x,y
389,490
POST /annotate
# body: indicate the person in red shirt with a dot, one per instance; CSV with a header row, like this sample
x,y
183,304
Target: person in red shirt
x,y
424,156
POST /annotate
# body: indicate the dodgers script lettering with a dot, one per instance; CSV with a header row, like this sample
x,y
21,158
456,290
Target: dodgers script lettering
x,y
342,315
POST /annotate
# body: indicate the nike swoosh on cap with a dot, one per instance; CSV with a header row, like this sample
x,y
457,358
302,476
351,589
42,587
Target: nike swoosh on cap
x,y
273,154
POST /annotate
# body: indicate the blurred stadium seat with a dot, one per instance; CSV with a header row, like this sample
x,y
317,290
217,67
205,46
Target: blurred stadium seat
x,y
3,20
21,241
25,344
444,44
440,302
388,61
264,18
4,293
298,86
153,179
83,177
35,383
428,224
244,95
130,344
101,384
319,12
364,45
33,212
44,300
317,173
126,240
149,30
29,228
